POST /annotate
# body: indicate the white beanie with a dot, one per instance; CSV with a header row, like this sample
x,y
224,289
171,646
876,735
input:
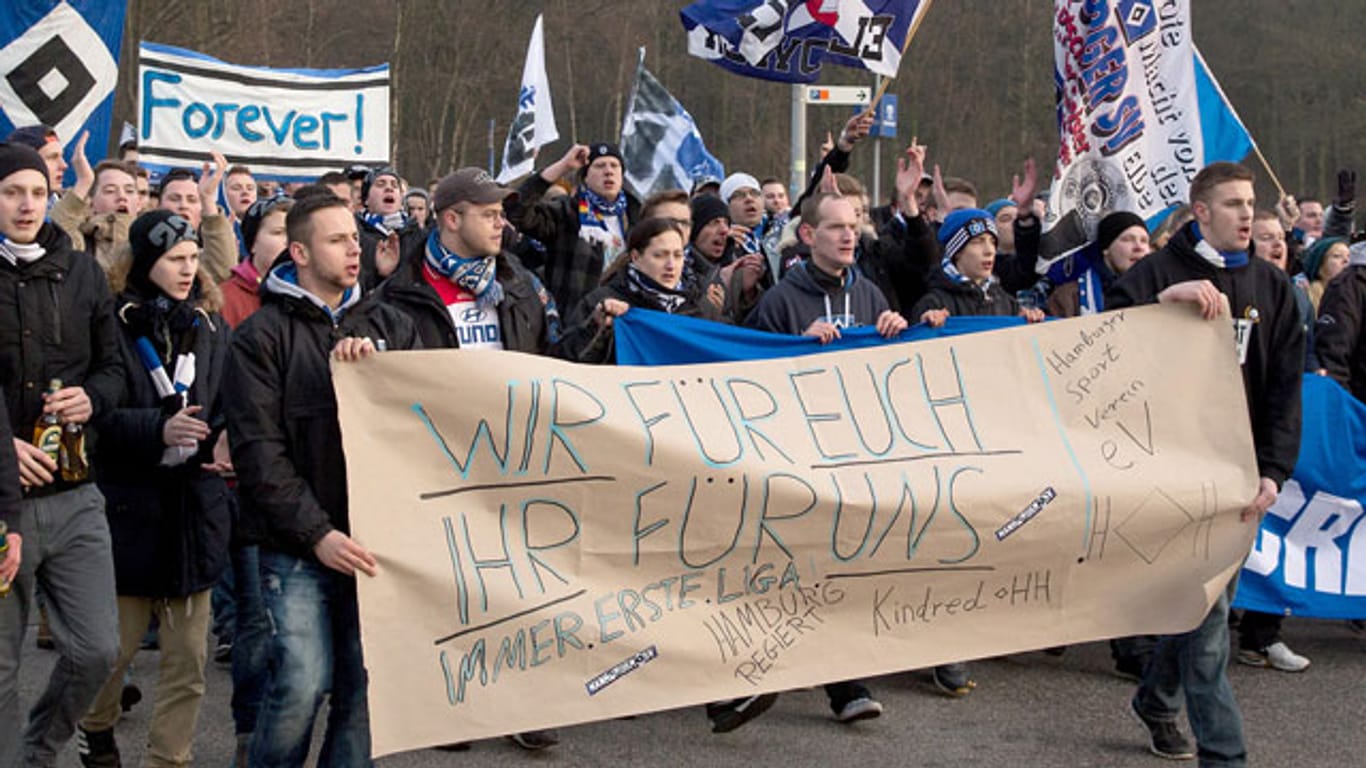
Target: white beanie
x,y
736,182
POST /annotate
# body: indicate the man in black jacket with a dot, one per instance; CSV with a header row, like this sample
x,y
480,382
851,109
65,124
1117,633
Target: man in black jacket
x,y
1207,263
582,232
463,290
286,448
387,232
56,322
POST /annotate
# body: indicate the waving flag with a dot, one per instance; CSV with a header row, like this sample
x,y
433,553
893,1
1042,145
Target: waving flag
x,y
660,142
59,66
1138,114
534,126
789,40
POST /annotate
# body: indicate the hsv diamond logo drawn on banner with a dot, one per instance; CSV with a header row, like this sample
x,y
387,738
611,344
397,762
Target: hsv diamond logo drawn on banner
x,y
59,66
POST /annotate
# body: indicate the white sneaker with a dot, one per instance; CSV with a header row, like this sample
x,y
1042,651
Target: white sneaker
x,y
1276,656
1279,656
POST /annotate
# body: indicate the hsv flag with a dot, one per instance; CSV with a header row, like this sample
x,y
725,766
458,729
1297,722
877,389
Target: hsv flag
x,y
660,142
534,126
1138,114
789,40
59,66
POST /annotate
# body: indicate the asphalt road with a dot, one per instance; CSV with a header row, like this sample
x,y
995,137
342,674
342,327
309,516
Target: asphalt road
x,y
1028,710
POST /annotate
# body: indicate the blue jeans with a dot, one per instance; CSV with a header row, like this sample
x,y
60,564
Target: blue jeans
x,y
315,649
251,643
1197,663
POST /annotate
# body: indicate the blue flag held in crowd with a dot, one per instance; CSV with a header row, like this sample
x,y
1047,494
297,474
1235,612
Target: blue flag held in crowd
x,y
59,64
789,40
660,142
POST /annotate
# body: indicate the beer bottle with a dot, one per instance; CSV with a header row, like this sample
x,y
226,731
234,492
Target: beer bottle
x,y
74,465
47,433
4,552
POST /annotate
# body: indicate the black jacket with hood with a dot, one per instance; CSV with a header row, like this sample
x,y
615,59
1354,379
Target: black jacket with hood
x,y
282,410
1275,356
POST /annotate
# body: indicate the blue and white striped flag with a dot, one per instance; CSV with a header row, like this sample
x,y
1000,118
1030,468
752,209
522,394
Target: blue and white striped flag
x,y
660,142
789,40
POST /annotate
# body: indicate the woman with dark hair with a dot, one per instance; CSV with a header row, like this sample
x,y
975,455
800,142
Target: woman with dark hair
x,y
651,278
158,469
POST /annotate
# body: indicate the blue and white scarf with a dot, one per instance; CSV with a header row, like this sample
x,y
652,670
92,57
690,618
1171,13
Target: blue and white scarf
x,y
387,223
16,252
1220,259
594,210
958,278
478,276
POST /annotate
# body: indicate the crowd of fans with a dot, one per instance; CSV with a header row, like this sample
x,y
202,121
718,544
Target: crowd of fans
x,y
177,329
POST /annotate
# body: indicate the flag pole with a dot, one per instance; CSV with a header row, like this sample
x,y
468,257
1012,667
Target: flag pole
x,y
1280,190
910,33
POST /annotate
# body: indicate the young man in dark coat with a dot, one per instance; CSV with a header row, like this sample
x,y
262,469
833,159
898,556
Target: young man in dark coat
x,y
584,232
168,505
1207,263
286,448
56,322
387,232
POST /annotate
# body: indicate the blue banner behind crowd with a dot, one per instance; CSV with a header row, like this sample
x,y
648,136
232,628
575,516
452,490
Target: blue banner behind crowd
x,y
1310,557
59,63
656,338
789,40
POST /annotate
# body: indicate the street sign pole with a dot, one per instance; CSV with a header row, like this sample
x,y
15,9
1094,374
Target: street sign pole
x,y
798,141
876,199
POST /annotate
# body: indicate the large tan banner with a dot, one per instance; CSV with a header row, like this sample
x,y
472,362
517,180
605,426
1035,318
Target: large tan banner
x,y
560,543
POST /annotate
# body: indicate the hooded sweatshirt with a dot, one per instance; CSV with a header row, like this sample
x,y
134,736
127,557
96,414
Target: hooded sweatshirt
x,y
806,295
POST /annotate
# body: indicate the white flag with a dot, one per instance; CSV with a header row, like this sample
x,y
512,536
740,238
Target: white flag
x,y
1139,114
534,126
